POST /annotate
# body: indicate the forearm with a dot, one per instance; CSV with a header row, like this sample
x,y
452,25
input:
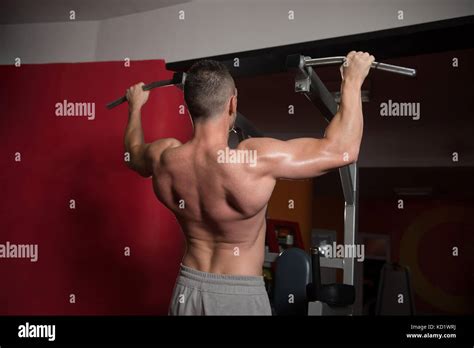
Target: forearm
x,y
134,139
133,132
345,129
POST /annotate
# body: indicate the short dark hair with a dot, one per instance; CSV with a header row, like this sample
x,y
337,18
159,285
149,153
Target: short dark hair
x,y
207,88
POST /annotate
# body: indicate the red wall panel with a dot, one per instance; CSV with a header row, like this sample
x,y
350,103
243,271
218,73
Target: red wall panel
x,y
81,250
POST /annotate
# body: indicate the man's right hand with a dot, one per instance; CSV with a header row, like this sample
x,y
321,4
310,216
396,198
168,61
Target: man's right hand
x,y
356,67
136,96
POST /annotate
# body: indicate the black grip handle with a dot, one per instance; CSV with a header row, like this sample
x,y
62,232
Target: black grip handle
x,y
116,102
158,84
178,78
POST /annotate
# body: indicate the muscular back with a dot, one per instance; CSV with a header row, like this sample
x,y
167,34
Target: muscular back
x,y
220,207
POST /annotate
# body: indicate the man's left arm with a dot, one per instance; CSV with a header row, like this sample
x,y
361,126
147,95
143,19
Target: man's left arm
x,y
142,155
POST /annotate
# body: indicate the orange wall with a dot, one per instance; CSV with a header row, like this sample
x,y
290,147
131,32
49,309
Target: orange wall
x,y
301,192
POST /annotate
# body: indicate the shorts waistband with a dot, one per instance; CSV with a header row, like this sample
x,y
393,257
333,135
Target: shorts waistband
x,y
189,274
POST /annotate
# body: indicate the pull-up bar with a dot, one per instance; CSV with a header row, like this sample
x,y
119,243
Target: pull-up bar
x,y
375,65
302,61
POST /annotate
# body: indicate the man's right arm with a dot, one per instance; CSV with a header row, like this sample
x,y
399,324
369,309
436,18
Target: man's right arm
x,y
310,157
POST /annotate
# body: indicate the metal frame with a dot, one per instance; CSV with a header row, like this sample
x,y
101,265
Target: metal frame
x,y
309,83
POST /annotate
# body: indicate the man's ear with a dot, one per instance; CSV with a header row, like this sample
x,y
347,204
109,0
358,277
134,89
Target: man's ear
x,y
232,105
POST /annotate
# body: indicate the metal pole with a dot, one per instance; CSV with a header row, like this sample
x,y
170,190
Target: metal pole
x,y
350,224
375,65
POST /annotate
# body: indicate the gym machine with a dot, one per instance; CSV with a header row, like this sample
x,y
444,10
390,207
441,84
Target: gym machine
x,y
298,274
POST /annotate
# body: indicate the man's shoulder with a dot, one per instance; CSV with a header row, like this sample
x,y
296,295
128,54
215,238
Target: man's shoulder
x,y
264,152
168,142
159,148
261,145
164,144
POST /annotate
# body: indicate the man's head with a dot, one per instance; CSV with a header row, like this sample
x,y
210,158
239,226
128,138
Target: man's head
x,y
209,91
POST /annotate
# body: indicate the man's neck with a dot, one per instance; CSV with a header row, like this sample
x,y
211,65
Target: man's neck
x,y
212,132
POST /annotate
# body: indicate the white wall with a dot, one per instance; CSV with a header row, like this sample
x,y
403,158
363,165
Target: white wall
x,y
214,27
49,42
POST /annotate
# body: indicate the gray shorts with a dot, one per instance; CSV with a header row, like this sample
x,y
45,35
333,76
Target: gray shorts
x,y
202,293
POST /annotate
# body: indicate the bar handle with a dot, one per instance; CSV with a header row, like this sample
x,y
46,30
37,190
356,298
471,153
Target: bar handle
x,y
375,65
178,79
394,69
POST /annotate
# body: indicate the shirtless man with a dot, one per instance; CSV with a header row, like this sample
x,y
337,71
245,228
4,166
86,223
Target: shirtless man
x,y
223,217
